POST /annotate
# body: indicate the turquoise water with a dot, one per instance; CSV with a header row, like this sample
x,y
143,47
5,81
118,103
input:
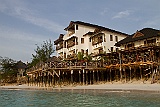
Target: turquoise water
x,y
78,98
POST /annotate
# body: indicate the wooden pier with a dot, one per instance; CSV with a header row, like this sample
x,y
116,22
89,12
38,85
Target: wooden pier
x,y
141,63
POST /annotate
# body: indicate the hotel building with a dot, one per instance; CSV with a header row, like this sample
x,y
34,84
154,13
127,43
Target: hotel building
x,y
88,39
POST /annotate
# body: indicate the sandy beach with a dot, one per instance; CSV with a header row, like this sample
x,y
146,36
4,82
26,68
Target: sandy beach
x,y
107,86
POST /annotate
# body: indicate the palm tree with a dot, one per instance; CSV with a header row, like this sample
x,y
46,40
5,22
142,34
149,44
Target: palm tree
x,y
88,58
80,56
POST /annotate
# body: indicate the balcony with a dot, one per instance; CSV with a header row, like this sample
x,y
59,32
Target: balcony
x,y
59,47
97,42
70,44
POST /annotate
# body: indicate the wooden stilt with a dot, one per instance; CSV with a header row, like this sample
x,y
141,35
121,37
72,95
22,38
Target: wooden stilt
x,y
140,72
110,75
97,76
90,77
80,76
130,73
86,77
54,80
83,77
125,75
93,77
72,77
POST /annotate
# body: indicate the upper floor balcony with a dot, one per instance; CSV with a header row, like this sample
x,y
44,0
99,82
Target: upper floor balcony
x,y
59,47
71,44
95,42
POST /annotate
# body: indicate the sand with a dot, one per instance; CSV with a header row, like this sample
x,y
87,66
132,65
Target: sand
x,y
107,86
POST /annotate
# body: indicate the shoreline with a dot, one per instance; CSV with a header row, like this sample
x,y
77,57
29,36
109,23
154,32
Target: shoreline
x,y
107,86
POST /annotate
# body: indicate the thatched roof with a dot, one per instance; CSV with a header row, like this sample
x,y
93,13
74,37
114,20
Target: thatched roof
x,y
92,25
145,33
53,59
21,65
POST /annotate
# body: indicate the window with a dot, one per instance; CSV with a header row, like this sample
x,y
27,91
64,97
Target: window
x,y
76,27
111,37
111,49
82,40
89,39
116,38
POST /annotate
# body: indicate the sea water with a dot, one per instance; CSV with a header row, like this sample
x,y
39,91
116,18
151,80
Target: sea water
x,y
78,98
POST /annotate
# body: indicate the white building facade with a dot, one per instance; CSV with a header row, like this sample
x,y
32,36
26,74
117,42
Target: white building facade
x,y
88,39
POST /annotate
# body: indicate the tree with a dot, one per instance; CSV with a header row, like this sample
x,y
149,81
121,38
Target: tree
x,y
43,52
8,69
80,56
88,58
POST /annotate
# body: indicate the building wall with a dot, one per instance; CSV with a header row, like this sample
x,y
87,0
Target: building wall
x,y
87,45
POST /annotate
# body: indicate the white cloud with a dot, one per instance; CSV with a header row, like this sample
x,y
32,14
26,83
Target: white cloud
x,y
18,9
122,14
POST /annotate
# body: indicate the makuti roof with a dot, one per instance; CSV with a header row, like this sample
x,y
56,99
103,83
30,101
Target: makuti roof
x,y
145,33
92,25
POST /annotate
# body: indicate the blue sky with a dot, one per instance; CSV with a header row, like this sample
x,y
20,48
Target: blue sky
x,y
24,23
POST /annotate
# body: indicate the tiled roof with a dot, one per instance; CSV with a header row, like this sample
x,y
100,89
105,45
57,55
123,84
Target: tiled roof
x,y
59,39
92,25
147,33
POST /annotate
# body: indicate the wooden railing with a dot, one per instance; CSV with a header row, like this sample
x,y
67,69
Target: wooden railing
x,y
67,65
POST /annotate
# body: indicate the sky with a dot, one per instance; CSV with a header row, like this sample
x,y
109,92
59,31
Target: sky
x,y
27,23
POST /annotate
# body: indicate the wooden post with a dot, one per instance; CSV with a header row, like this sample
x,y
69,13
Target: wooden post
x,y
39,79
42,78
86,77
83,77
28,80
125,74
49,80
120,68
72,77
45,79
130,72
54,80
32,80
93,77
59,80
80,76
90,77
110,75
97,76
140,72
63,78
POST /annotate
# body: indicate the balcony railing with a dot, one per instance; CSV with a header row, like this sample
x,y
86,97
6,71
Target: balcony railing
x,y
71,33
70,44
97,42
59,47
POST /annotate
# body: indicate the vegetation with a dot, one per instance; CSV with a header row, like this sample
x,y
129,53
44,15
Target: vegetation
x,y
43,52
8,72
